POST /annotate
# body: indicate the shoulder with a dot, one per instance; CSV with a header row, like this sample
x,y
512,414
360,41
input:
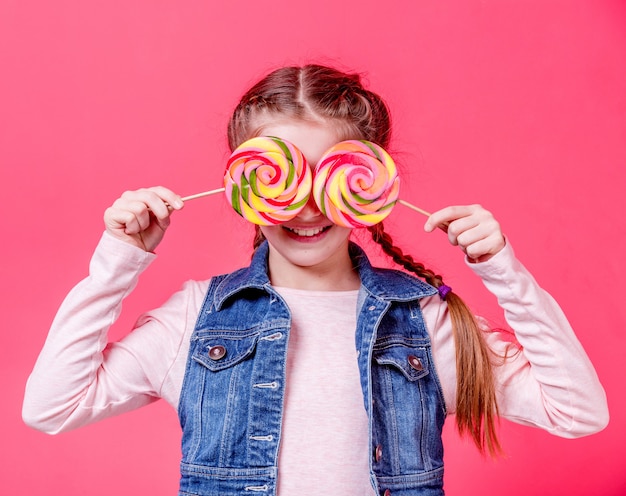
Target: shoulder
x,y
385,283
394,284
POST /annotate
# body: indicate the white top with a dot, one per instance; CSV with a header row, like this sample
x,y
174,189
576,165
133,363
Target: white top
x,y
325,422
79,378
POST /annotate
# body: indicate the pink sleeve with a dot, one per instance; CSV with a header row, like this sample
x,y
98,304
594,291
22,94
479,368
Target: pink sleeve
x,y
547,381
79,378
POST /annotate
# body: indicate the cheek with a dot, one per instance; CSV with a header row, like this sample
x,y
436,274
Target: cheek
x,y
270,231
339,236
344,231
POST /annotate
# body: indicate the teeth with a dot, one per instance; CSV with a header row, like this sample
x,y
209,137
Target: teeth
x,y
306,232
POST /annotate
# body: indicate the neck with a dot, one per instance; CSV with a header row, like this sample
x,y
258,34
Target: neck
x,y
333,275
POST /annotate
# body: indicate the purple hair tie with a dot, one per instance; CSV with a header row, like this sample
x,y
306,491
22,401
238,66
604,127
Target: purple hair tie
x,y
443,291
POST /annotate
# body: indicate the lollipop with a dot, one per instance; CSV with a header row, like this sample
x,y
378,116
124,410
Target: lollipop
x,y
356,184
267,180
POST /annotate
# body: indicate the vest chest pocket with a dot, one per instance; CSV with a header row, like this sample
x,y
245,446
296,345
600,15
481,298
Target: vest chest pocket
x,y
412,362
408,411
220,352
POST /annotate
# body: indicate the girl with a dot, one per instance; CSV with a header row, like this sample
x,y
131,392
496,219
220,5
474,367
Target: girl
x,y
349,370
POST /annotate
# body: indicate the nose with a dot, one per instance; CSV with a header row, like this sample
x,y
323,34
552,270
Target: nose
x,y
310,210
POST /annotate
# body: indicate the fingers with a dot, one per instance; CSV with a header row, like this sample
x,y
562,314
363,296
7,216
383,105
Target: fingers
x,y
473,228
142,216
442,218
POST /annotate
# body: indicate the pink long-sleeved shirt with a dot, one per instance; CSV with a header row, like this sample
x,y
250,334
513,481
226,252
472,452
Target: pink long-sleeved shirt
x,y
80,377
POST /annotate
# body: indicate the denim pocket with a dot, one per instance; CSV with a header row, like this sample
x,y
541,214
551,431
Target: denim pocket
x,y
407,412
413,362
220,352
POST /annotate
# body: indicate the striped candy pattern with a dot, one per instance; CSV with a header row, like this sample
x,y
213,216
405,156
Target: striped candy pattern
x,y
356,184
267,180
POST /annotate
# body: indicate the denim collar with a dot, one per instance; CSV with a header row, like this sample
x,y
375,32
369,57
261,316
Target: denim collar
x,y
384,284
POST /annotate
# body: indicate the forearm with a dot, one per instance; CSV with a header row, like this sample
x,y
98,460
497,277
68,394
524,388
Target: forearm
x,y
70,361
551,382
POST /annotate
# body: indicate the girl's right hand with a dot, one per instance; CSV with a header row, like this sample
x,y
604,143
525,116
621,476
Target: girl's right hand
x,y
141,217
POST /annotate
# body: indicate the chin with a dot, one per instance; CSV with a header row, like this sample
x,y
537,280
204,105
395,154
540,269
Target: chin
x,y
311,247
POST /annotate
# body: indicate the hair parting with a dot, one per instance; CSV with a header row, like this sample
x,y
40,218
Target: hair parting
x,y
312,93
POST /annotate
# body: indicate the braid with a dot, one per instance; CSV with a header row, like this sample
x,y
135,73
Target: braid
x,y
380,236
476,405
258,238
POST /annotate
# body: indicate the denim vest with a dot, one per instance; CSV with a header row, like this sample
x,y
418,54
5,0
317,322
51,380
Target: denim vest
x,y
231,403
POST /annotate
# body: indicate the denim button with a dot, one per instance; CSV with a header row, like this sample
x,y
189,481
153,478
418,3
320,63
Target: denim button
x,y
415,363
379,453
217,352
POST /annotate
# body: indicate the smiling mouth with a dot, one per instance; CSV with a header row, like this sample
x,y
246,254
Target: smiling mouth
x,y
307,233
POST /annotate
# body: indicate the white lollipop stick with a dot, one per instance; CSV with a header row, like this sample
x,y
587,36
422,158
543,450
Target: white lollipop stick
x,y
443,227
200,195
413,207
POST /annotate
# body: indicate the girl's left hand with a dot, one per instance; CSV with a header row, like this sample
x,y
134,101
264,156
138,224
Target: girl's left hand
x,y
472,228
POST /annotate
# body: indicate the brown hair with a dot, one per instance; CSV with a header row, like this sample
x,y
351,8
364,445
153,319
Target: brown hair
x,y
319,93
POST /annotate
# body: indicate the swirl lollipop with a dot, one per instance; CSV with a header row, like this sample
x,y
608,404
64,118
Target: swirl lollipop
x,y
356,184
267,180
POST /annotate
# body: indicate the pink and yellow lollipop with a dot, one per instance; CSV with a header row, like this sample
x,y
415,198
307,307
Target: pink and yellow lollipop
x,y
267,180
356,184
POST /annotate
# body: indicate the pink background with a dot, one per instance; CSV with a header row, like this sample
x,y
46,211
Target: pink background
x,y
518,105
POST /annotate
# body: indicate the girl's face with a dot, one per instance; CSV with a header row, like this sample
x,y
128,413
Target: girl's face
x,y
309,251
